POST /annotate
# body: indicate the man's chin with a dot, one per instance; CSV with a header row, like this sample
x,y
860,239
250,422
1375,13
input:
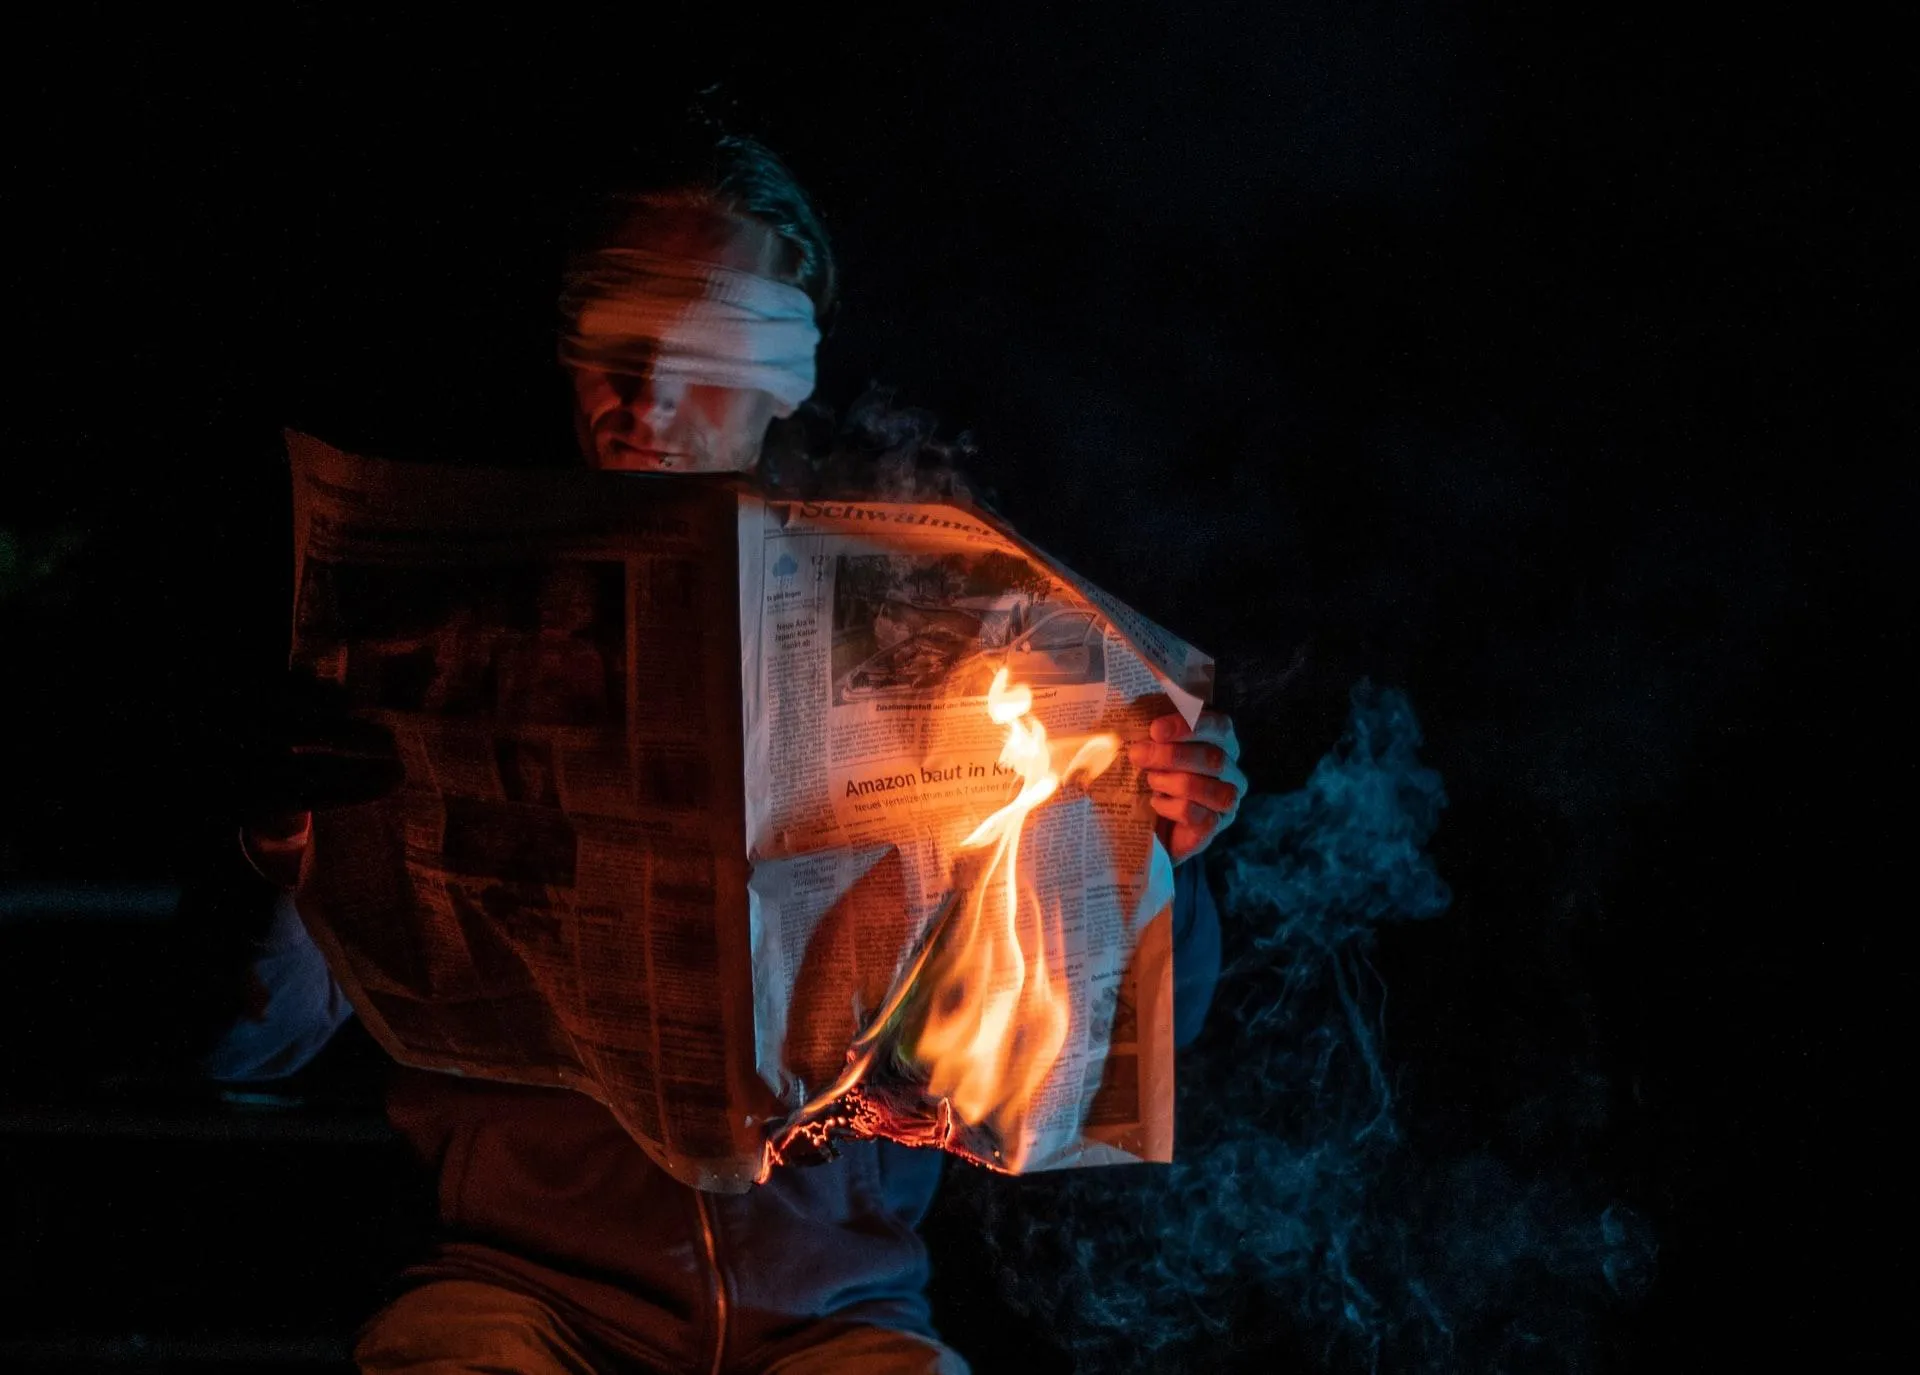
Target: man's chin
x,y
624,458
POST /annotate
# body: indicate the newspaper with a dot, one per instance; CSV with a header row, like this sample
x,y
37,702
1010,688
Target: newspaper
x,y
686,774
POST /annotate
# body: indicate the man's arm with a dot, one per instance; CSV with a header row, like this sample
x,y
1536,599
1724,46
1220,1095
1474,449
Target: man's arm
x,y
1194,772
272,1004
291,1006
1196,949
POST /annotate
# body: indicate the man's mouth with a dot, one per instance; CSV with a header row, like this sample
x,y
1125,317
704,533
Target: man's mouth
x,y
626,453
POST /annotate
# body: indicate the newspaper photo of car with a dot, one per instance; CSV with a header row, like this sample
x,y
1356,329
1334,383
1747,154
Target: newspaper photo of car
x,y
933,641
906,623
1064,646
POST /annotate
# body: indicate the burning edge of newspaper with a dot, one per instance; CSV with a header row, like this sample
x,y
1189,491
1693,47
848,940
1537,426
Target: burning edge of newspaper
x,y
964,1045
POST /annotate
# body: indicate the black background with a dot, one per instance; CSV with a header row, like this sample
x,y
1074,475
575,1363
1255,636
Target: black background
x,y
1556,370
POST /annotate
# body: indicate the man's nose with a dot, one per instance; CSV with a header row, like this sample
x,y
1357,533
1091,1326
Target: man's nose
x,y
648,394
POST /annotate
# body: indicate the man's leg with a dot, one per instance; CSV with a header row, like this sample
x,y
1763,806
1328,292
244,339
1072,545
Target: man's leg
x,y
461,1327
850,1349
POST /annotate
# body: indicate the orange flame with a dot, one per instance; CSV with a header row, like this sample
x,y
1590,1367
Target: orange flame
x,y
989,1045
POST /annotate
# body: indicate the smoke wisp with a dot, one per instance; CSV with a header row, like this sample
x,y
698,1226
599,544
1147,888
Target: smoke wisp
x,y
1299,1215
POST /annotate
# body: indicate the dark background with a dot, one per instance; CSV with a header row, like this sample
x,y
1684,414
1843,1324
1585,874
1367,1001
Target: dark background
x,y
1555,370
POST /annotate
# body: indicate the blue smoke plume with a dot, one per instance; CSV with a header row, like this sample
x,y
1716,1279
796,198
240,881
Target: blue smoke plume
x,y
1298,1217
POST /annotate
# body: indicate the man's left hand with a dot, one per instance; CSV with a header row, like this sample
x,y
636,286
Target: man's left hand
x,y
1195,776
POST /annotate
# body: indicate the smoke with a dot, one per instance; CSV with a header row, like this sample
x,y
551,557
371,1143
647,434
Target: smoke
x,y
1300,1216
876,450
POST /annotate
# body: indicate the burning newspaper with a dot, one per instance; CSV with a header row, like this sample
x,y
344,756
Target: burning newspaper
x,y
763,822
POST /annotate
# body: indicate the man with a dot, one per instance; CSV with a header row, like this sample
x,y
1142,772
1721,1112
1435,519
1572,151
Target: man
x,y
689,326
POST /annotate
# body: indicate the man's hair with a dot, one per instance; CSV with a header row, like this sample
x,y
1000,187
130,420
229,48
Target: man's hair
x,y
730,172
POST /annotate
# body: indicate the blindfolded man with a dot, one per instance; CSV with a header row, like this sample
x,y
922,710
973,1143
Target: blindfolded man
x,y
689,322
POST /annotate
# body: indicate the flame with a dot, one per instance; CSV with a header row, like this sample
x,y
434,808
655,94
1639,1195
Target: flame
x,y
992,1037
991,979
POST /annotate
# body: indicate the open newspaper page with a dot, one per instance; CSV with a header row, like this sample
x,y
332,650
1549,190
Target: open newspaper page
x,y
872,635
555,894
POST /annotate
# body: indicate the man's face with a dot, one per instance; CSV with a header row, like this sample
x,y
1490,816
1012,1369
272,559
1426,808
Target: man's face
x,y
633,421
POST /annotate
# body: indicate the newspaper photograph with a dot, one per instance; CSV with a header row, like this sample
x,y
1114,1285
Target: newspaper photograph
x,y
761,822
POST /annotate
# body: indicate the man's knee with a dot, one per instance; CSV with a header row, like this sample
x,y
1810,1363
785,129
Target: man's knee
x,y
853,1349
461,1327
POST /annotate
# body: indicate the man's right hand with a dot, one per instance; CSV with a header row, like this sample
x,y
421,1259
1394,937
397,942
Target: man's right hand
x,y
314,754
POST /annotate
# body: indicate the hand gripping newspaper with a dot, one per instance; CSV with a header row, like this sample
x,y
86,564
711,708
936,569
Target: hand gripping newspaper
x,y
761,821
